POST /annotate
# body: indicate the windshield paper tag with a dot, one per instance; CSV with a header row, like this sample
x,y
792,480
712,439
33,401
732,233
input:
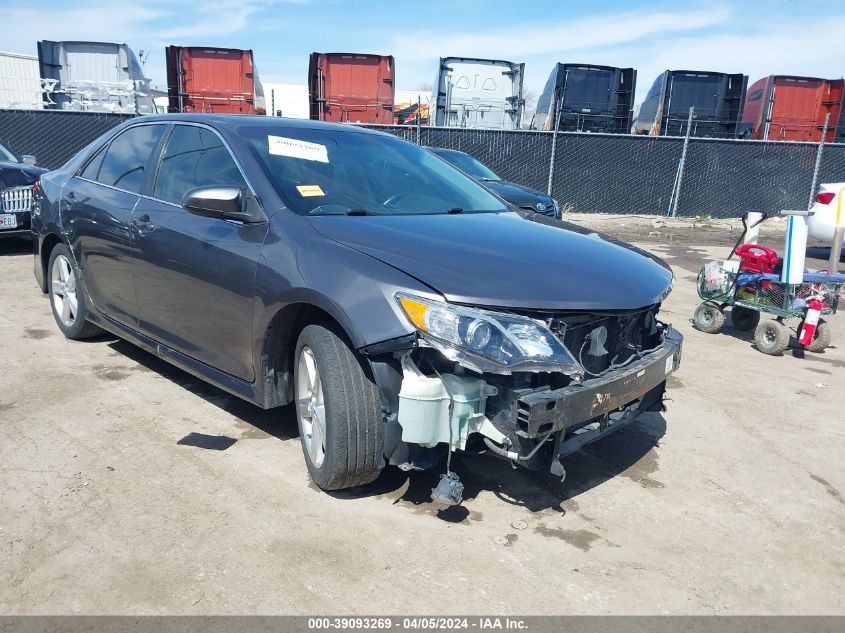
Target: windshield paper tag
x,y
294,148
309,191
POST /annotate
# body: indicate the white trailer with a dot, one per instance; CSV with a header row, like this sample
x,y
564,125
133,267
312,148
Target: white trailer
x,y
481,93
94,77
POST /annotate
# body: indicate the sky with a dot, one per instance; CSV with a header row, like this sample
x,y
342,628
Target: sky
x,y
755,37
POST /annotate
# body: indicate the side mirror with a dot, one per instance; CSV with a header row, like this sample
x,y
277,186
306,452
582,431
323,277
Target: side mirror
x,y
28,159
225,202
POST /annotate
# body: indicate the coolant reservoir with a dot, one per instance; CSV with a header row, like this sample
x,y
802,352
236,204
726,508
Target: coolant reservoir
x,y
424,406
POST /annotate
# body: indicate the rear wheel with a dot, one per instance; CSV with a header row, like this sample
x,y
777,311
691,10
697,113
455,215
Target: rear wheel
x,y
744,319
708,318
338,409
822,337
66,297
771,337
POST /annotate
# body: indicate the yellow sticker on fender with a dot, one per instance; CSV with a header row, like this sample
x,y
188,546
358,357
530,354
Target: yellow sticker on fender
x,y
309,191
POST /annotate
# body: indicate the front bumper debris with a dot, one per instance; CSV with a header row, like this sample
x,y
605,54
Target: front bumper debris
x,y
548,410
531,424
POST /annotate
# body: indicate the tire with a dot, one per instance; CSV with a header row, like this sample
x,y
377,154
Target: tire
x,y
351,409
708,318
744,319
822,337
66,298
771,337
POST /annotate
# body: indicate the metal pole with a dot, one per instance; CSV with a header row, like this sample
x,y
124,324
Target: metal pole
x,y
818,162
677,193
836,246
419,116
554,147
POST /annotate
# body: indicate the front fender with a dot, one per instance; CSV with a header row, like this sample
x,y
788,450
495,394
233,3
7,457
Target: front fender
x,y
300,268
299,265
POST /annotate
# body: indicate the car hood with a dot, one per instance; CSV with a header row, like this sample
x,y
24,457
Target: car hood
x,y
18,174
517,195
507,260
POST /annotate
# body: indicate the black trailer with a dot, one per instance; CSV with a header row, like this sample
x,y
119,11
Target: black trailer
x,y
717,99
587,98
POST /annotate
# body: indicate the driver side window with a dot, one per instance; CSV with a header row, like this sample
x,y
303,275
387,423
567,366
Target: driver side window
x,y
194,157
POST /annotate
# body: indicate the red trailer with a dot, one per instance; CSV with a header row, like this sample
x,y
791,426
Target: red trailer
x,y
221,80
348,87
786,108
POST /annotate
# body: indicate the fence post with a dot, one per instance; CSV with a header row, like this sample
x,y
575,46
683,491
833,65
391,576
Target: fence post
x,y
554,149
419,116
679,178
836,246
818,165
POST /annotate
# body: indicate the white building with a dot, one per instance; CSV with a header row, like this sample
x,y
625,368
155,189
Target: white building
x,y
289,100
20,82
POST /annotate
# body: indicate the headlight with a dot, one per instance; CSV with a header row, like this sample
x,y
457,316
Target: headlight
x,y
556,207
488,341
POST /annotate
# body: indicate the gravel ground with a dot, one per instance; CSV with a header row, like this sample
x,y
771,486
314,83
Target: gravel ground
x,y
728,503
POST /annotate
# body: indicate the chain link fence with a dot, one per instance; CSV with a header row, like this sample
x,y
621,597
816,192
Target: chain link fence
x,y
633,174
53,136
590,173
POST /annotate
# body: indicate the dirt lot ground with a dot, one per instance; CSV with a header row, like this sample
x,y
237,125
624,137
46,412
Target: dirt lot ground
x,y
728,503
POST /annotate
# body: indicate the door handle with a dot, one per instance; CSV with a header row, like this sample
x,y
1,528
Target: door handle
x,y
143,223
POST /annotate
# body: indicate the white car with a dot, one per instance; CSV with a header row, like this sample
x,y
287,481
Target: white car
x,y
829,201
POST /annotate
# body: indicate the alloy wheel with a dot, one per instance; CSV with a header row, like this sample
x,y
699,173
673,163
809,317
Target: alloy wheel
x,y
312,406
63,289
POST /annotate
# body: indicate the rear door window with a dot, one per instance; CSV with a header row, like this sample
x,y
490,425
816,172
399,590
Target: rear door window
x,y
126,158
194,157
92,169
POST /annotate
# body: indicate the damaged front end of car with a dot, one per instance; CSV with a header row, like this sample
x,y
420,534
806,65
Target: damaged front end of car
x,y
529,387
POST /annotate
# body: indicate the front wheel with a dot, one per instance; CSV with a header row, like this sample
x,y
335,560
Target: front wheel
x,y
338,409
771,337
708,318
66,297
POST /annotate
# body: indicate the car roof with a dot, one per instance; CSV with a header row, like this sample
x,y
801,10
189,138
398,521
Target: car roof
x,y
233,121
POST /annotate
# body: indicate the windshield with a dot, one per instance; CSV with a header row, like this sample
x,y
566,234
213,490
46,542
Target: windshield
x,y
7,156
335,172
468,164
